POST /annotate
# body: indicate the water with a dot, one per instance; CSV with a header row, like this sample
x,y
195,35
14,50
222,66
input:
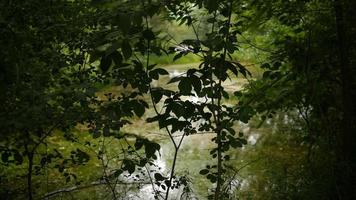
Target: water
x,y
192,157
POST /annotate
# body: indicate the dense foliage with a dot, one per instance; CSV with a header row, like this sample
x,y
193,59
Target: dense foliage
x,y
63,128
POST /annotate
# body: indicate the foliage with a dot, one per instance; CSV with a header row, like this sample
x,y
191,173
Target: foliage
x,y
58,53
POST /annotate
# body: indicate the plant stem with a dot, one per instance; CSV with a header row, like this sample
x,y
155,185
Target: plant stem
x,y
29,175
173,166
218,119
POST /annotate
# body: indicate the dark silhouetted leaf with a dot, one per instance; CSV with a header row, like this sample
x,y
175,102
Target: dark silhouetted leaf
x,y
126,49
185,86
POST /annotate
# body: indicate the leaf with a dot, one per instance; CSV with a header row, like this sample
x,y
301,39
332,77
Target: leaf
x,y
112,48
159,177
242,69
225,94
150,67
196,83
276,65
162,71
129,165
156,94
185,86
18,158
126,49
235,143
131,169
106,131
95,55
152,119
138,108
163,187
118,172
167,183
151,148
177,56
232,68
43,161
266,65
148,34
105,63
212,178
124,22
139,143
204,171
175,79
238,93
245,113
117,57
153,74
243,141
266,74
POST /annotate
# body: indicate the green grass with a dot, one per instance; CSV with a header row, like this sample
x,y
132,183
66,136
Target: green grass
x,y
168,59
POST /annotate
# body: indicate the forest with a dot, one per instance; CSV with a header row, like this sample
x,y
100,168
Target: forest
x,y
177,99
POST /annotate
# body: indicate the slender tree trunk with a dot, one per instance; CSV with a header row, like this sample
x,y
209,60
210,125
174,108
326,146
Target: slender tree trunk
x,y
172,173
346,178
219,166
29,175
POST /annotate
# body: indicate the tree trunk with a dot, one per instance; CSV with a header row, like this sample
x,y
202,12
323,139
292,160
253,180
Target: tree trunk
x,y
29,175
346,178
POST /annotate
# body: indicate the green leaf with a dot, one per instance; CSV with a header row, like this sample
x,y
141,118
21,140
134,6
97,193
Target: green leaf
x,y
124,22
161,71
18,158
105,63
148,34
177,56
243,141
225,94
126,49
185,86
238,93
232,68
204,171
175,79
245,113
196,83
150,67
131,169
212,178
156,94
151,148
118,172
235,143
138,108
139,143
117,57
266,65
153,74
276,65
129,165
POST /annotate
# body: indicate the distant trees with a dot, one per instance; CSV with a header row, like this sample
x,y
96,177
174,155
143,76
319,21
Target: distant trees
x,y
312,72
